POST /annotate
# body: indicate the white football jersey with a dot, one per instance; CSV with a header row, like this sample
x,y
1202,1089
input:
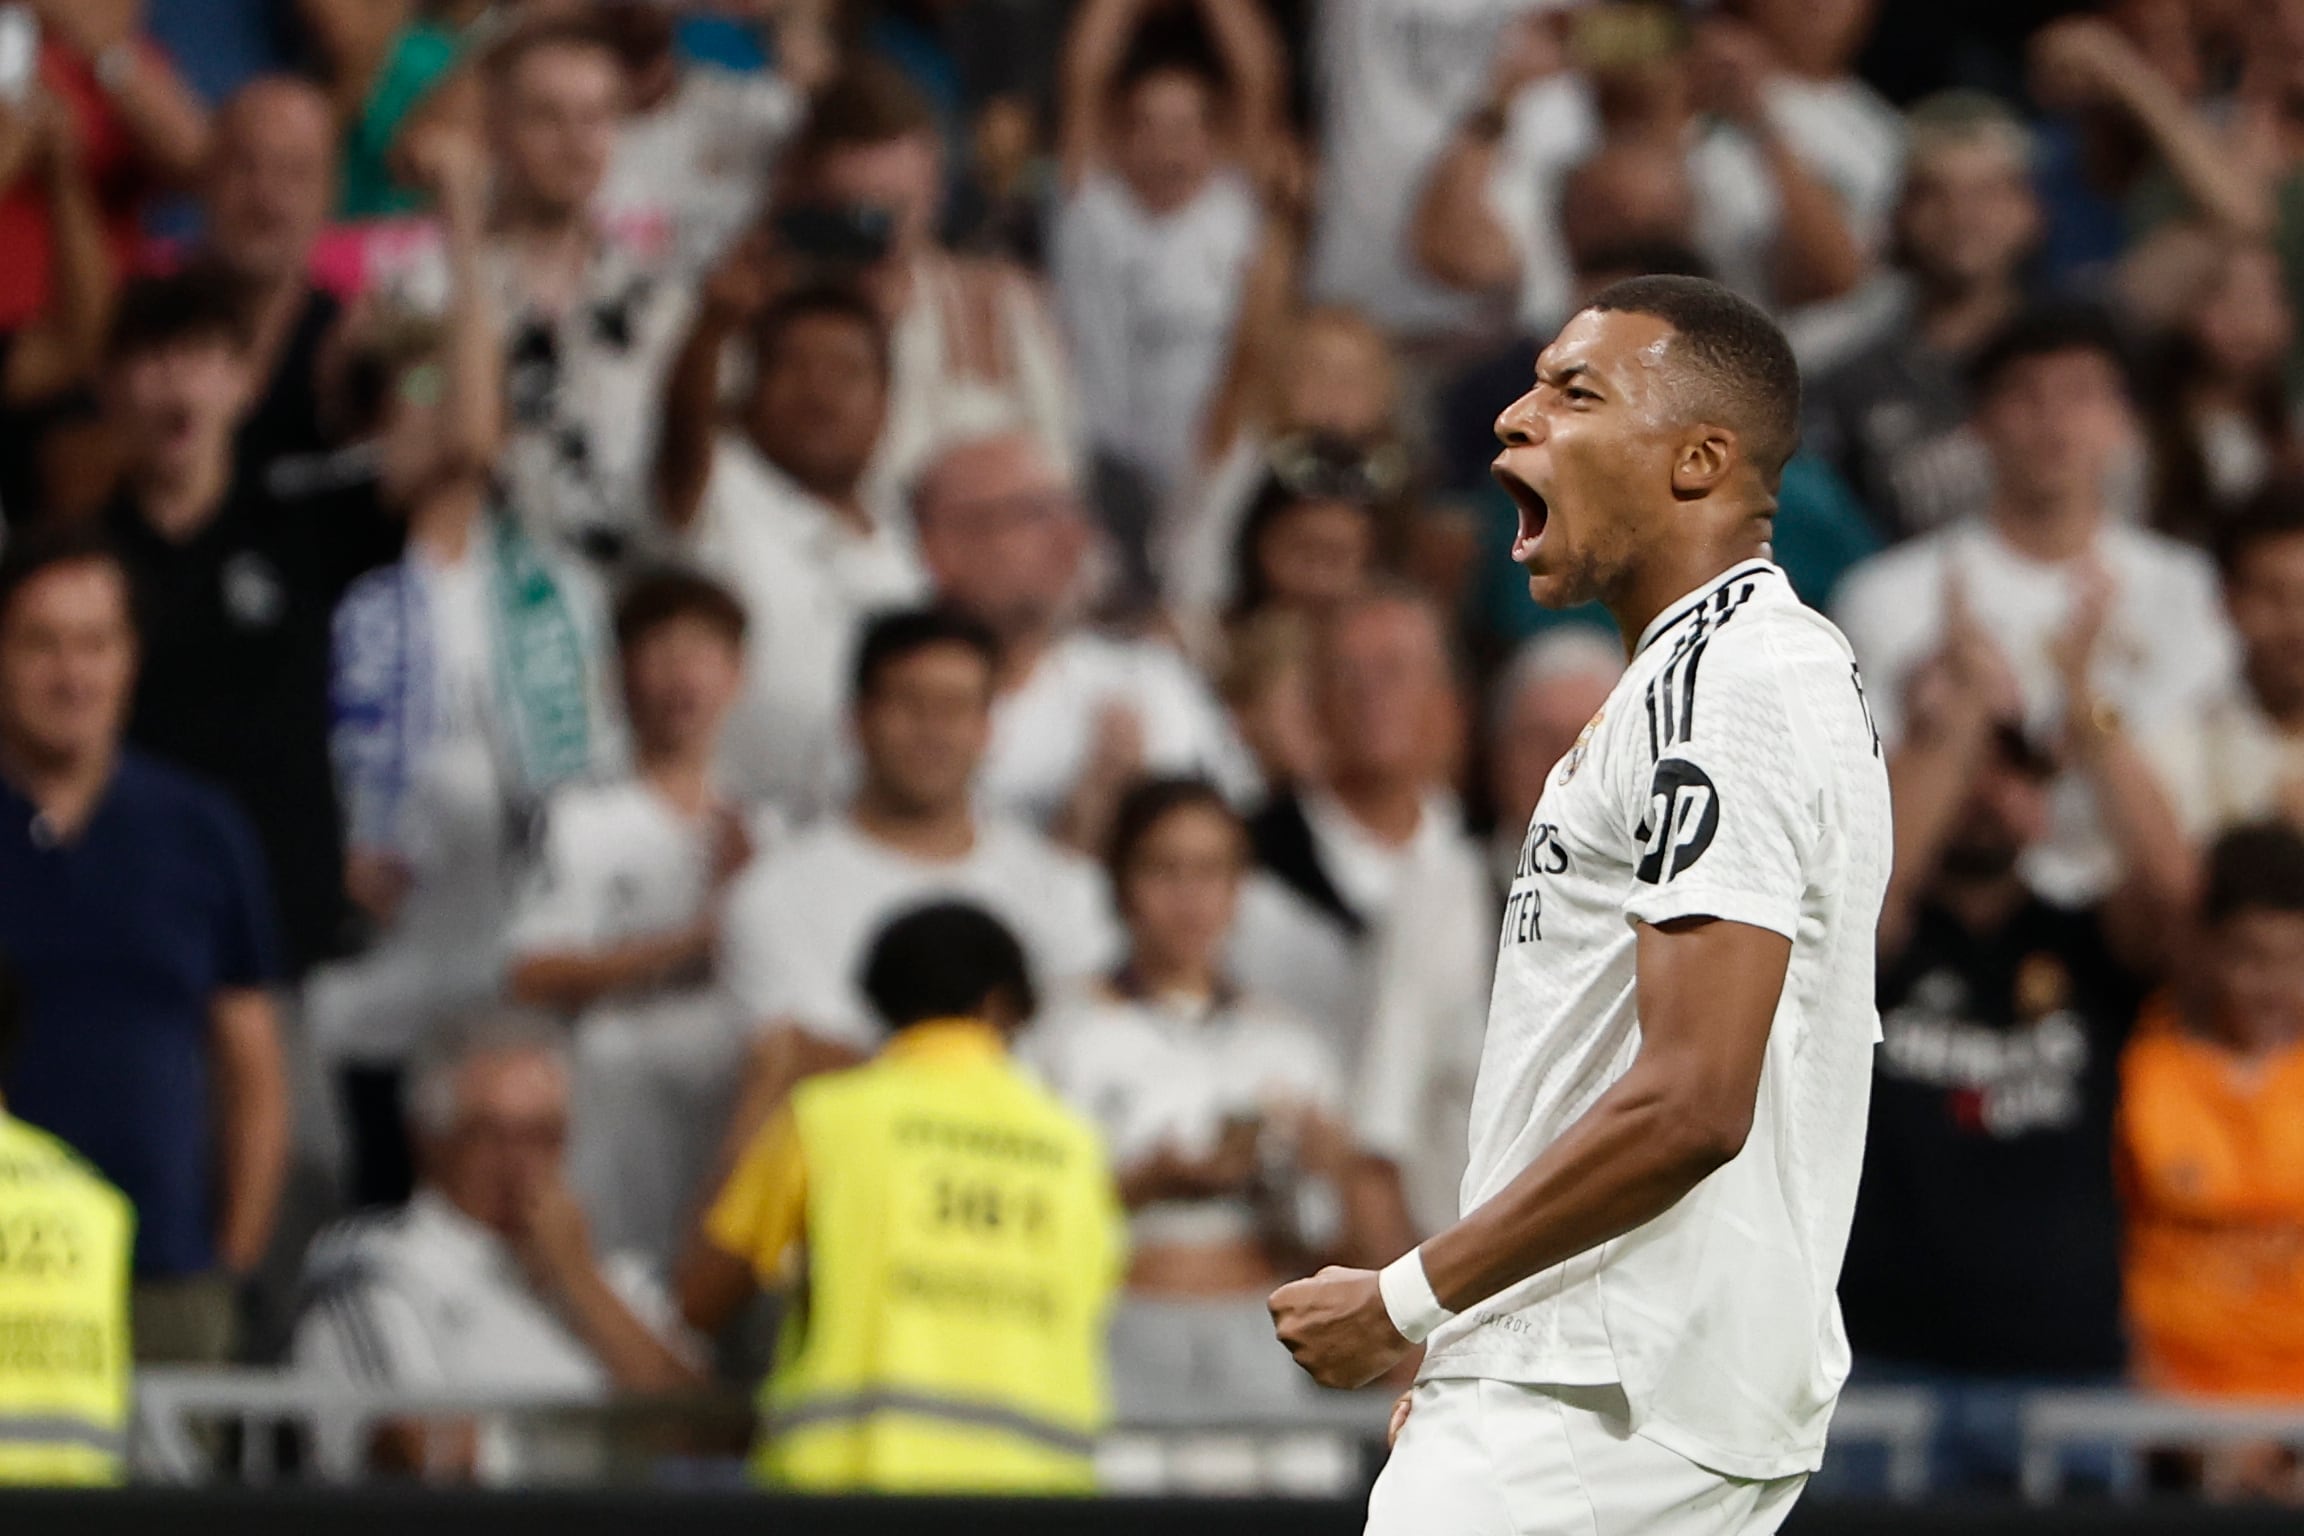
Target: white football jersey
x,y
1734,773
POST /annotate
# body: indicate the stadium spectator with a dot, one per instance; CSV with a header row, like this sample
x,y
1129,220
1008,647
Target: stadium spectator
x,y
970,339
1159,223
271,185
1791,165
135,903
619,924
234,586
695,156
467,680
1540,708
798,924
1266,685
139,128
2217,401
1225,1118
63,1412
1316,534
1892,416
589,326
2053,412
1324,375
386,63
775,500
1079,713
1371,913
952,1230
2211,1115
488,1277
2239,756
1985,1253
48,357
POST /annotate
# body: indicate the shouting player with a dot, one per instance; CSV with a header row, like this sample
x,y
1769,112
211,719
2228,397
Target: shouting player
x,y
1633,1328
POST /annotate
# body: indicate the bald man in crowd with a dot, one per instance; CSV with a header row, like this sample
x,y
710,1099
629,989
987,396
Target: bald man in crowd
x,y
1080,714
270,185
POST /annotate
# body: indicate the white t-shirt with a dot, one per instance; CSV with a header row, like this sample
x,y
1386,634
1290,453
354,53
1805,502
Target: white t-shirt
x,y
655,1073
938,394
1394,76
1165,1072
426,1299
810,582
2226,763
2166,651
460,837
1148,303
800,924
687,177
1044,730
1733,774
1402,999
1842,131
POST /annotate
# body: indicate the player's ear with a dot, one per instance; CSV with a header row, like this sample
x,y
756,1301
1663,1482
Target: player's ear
x,y
1706,458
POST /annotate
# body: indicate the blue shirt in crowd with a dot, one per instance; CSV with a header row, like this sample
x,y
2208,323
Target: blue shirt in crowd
x,y
123,936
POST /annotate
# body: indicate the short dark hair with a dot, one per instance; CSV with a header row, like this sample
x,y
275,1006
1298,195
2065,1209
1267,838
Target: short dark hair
x,y
946,960
2045,330
898,636
2274,513
669,593
11,1010
2257,867
193,305
820,300
45,547
869,101
1151,802
1746,364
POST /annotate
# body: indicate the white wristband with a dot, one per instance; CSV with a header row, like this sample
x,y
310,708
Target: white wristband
x,y
1408,1297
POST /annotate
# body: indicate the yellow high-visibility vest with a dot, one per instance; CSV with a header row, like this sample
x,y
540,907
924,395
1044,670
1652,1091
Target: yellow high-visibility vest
x,y
964,1240
65,1242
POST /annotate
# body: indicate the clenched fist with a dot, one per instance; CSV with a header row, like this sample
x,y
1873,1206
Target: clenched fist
x,y
1336,1327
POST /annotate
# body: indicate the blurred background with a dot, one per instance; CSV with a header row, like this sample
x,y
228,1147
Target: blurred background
x,y
759,745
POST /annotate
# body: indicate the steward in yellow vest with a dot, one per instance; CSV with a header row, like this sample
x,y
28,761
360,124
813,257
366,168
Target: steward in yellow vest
x,y
65,1240
953,1234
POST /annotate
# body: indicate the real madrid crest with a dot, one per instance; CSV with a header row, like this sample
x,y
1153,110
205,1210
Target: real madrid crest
x,y
1575,758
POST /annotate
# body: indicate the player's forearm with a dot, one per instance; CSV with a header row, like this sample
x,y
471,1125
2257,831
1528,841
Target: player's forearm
x,y
1630,1159
580,978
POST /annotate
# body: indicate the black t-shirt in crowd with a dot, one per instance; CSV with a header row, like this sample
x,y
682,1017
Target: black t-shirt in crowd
x,y
235,670
1987,1234
286,422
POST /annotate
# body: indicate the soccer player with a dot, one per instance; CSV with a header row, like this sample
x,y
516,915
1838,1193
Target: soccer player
x,y
1632,1327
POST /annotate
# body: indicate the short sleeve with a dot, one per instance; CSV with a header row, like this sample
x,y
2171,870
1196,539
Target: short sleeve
x,y
555,910
760,1214
366,1332
1726,818
246,934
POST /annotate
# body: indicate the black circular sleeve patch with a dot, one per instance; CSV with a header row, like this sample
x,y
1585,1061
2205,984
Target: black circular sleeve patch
x,y
1683,814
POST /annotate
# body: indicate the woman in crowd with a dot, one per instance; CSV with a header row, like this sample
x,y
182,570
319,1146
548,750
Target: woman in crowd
x,y
2218,401
1223,1116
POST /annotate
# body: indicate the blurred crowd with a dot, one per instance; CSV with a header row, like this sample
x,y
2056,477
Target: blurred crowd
x,y
535,532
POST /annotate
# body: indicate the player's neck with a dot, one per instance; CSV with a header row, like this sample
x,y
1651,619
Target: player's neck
x,y
1686,570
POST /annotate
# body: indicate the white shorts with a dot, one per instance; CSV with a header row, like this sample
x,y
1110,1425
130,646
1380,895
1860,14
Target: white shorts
x,y
1493,1458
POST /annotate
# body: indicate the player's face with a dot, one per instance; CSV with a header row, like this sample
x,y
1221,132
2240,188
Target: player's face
x,y
1588,452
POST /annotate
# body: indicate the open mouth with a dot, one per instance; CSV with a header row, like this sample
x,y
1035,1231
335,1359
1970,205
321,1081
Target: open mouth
x,y
1535,513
